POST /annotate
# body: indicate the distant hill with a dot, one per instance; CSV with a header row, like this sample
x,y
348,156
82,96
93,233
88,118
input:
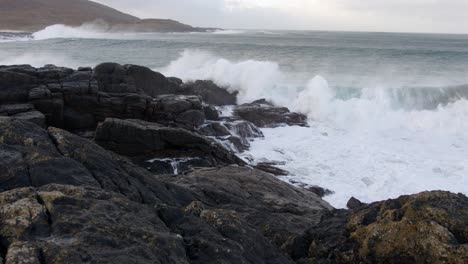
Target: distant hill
x,y
34,15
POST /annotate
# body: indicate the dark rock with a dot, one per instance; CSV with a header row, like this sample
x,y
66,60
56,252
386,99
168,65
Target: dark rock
x,y
269,168
173,166
265,115
178,110
214,130
13,109
278,209
210,92
244,129
140,138
354,203
68,224
85,69
35,117
429,227
15,86
115,78
74,120
211,113
25,112
321,192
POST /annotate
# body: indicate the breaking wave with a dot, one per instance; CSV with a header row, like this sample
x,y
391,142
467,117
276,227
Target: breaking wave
x,y
380,107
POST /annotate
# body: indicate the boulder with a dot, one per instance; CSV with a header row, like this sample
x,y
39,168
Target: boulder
x,y
209,92
430,227
264,114
24,112
70,224
116,78
139,138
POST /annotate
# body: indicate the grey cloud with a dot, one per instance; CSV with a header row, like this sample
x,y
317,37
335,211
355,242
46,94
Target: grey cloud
x,y
445,16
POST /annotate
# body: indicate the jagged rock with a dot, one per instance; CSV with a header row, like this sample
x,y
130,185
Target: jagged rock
x,y
24,112
270,168
234,135
244,129
211,113
15,86
214,130
69,224
354,203
429,227
140,138
116,78
178,110
264,114
321,192
210,92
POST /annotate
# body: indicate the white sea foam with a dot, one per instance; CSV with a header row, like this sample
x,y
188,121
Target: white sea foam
x,y
364,146
228,32
38,59
88,30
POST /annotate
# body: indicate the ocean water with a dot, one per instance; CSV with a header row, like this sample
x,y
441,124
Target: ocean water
x,y
388,113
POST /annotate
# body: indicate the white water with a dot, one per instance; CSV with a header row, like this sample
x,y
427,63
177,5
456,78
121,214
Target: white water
x,y
362,147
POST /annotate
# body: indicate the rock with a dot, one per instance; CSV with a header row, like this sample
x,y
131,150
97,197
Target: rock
x,y
354,203
15,86
278,209
244,129
13,109
139,138
24,112
210,92
32,156
211,113
429,227
265,115
85,69
115,78
270,168
234,135
214,130
69,224
321,192
178,110
173,165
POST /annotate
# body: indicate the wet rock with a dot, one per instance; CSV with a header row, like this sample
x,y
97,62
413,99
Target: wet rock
x,y
354,203
69,224
429,227
178,110
211,113
321,192
116,78
270,168
15,86
139,138
273,206
264,114
25,112
209,92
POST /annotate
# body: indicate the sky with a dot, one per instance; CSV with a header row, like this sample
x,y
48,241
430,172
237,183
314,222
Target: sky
x,y
437,16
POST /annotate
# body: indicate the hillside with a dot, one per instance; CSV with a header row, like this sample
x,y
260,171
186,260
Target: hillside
x,y
33,15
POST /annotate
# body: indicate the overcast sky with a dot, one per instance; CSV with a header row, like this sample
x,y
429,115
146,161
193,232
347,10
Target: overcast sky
x,y
445,16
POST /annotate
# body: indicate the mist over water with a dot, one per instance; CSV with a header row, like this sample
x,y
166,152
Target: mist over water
x,y
388,112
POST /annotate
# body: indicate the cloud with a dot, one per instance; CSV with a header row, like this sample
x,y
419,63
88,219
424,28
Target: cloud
x,y
444,16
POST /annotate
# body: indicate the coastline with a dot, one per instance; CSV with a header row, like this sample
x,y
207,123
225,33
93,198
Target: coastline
x,y
105,163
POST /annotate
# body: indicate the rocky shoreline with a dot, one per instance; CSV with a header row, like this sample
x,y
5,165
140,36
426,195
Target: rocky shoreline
x,y
120,164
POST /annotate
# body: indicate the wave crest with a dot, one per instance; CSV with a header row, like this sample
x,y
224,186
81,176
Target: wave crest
x,y
373,107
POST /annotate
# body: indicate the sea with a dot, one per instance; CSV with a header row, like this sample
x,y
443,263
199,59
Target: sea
x,y
387,112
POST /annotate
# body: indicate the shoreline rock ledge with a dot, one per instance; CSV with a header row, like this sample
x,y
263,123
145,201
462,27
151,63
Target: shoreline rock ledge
x,y
119,164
